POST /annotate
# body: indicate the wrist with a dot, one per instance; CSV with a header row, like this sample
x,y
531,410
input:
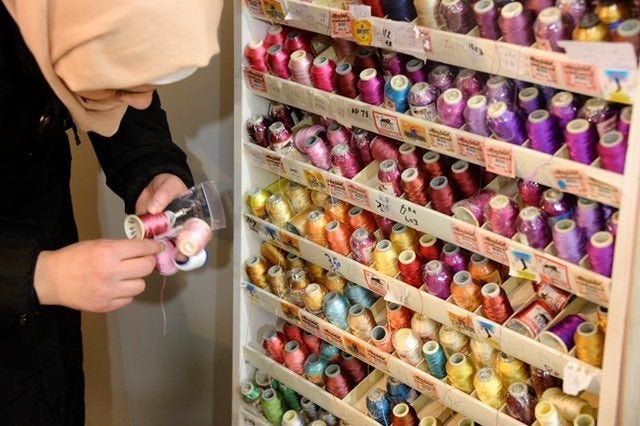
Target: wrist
x,y
41,279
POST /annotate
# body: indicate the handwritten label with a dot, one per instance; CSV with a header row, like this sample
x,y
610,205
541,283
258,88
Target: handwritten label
x,y
340,23
384,34
552,272
543,69
465,235
405,36
577,376
359,195
316,180
509,59
361,116
337,188
341,110
321,104
409,215
387,124
424,35
255,80
442,140
273,10
471,148
309,14
591,287
297,95
580,77
494,247
522,263
331,335
498,157
363,32
413,132
274,86
423,384
603,192
359,11
602,54
377,359
570,180
375,282
382,204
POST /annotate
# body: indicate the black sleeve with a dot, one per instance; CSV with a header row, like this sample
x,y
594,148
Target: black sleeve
x,y
141,149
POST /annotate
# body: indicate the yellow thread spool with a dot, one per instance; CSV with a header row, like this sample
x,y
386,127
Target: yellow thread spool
x,y
316,227
584,420
453,341
334,282
589,340
460,372
511,370
316,272
256,201
337,209
256,269
272,254
295,261
483,355
277,281
568,406
313,296
404,238
318,198
490,389
548,415
298,196
385,258
278,209
602,318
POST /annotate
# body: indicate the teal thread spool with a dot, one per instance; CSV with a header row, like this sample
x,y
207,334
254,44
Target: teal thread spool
x,y
435,358
314,368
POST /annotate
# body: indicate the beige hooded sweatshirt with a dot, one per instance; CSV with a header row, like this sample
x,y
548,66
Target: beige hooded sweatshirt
x,y
114,44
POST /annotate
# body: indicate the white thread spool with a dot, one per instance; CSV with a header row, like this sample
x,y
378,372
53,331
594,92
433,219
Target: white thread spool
x,y
193,262
407,344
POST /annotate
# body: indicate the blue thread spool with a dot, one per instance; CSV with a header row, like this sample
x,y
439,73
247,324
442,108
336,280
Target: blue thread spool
x,y
314,368
336,308
400,10
435,358
399,392
309,407
330,353
396,93
359,295
378,406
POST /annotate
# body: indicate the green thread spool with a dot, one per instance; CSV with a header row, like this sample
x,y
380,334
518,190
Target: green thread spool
x,y
250,392
272,406
290,397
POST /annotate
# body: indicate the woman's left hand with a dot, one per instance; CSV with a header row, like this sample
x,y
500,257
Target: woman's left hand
x,y
159,193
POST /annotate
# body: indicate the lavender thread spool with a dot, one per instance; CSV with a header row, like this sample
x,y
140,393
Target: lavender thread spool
x,y
506,125
600,113
437,277
543,132
486,15
470,82
451,106
415,71
529,100
475,115
600,252
499,89
532,227
563,107
515,24
441,77
589,217
549,28
612,149
581,138
572,10
568,241
560,336
454,257
457,16
422,101
557,205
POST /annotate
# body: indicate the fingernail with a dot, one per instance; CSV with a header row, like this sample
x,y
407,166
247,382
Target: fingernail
x,y
154,207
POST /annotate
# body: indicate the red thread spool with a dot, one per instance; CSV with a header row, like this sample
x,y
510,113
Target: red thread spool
x,y
275,35
398,317
273,343
294,355
292,332
278,61
194,236
146,226
353,367
429,247
466,179
441,194
165,264
311,342
433,165
336,382
359,218
385,225
322,71
365,58
383,148
377,8
256,54
410,267
495,304
296,40
409,156
338,236
414,185
343,47
346,81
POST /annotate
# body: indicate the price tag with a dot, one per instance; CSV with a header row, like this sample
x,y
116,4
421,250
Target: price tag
x,y
383,34
377,359
340,23
361,116
580,77
543,69
522,263
354,346
359,195
550,361
316,180
409,215
297,95
274,10
465,235
603,192
591,287
320,104
387,124
488,330
337,188
376,283
494,247
509,59
255,80
274,163
426,385
603,54
362,32
462,321
309,322
471,147
294,170
414,132
552,272
442,140
255,7
570,180
577,376
498,157
289,312
300,11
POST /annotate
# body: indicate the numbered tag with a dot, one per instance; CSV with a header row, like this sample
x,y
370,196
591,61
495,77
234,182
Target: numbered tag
x,y
577,376
383,34
361,116
499,159
362,32
581,77
591,286
570,180
387,124
471,147
543,69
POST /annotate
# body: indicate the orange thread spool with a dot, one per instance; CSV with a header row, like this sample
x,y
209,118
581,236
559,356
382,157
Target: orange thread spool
x,y
337,209
465,292
272,254
316,227
483,270
495,304
433,165
334,282
359,218
414,185
256,269
338,236
398,317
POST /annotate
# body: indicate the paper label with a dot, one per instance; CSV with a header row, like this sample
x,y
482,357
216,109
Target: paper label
x,y
331,335
359,195
494,247
425,385
413,132
337,188
307,13
426,112
377,359
340,23
603,192
382,204
387,124
405,36
577,376
355,347
580,77
310,322
424,35
471,148
409,215
273,10
552,272
618,85
509,59
320,104
255,7
363,32
361,116
543,69
290,312
274,163
522,264
358,11
384,34
463,322
498,158
375,283
602,54
274,87
297,95
570,180
290,243
591,287
316,180
465,235
442,141
256,80
487,330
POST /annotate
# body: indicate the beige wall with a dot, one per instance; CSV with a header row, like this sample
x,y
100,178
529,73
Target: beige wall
x,y
134,374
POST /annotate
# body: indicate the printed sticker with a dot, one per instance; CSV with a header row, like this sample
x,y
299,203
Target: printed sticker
x,y
498,158
413,132
471,148
522,264
387,124
552,272
580,77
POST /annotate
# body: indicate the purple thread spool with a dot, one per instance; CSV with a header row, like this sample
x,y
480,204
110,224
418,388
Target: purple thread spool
x,y
454,257
422,101
521,402
506,125
318,152
572,10
385,224
547,93
612,150
600,113
472,209
532,228
560,336
437,278
499,89
371,87
543,132
362,243
361,144
563,107
415,71
258,129
612,223
600,253
457,16
287,115
515,24
589,217
502,213
389,177
529,100
345,160
450,105
530,192
441,77
624,121
475,115
392,64
486,15
581,138
568,241
557,205
337,134
543,380
470,82
549,28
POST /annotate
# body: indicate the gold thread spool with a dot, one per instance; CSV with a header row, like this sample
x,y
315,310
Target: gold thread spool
x,y
337,209
277,281
460,372
312,297
466,422
334,282
385,258
256,269
278,209
318,198
316,272
298,279
316,224
611,12
453,341
490,389
430,421
584,420
465,292
272,254
602,318
483,355
257,200
568,406
295,261
547,414
361,321
298,223
589,340
511,369
426,328
403,238
298,196
590,28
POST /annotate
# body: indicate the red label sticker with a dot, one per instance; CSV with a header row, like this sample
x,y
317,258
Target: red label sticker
x,y
331,335
471,147
552,272
387,124
256,80
337,188
424,385
340,23
543,69
581,77
465,235
442,140
359,195
377,359
495,247
354,346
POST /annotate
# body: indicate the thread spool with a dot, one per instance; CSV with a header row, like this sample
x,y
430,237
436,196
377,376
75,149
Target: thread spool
x,y
336,382
336,308
352,367
404,414
584,420
361,144
589,341
428,14
384,149
612,149
294,356
415,71
465,292
298,196
560,336
291,400
300,67
506,125
435,358
530,100
396,92
272,406
322,72
381,338
278,61
346,81
385,258
361,321
450,106
276,34
273,343
402,10
410,267
470,82
563,107
530,192
318,198
543,132
408,156
250,393
413,184
511,370
337,236
483,355
392,64
568,240
454,257
362,243
483,270
389,177
312,298
624,121
311,342
547,415
256,269
453,341
272,254
466,178
531,320
330,352
398,317
568,406
316,272
441,78
515,24
345,161
542,380
407,345
336,209
278,209
316,227
441,194
429,247
371,87
378,406
521,401
489,388
460,372
258,129
532,228
437,277
499,89
377,7
602,314
165,260
255,52
291,418
495,304
433,165
600,252
549,28
612,223
193,237
359,295
430,421
581,138
192,263
475,112
457,16
403,238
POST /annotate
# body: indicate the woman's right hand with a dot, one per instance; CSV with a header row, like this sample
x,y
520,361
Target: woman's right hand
x,y
95,275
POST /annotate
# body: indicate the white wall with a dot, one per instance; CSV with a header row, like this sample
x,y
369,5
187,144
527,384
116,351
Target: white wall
x,y
134,374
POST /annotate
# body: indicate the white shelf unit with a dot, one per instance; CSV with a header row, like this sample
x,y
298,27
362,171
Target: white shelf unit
x,y
252,88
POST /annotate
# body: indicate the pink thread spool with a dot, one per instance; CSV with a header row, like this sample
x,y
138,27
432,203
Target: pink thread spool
x,y
299,66
337,134
275,35
371,87
322,71
146,226
278,61
256,54
409,156
164,260
193,237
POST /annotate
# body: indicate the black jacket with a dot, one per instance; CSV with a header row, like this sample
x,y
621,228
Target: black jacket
x,y
41,381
